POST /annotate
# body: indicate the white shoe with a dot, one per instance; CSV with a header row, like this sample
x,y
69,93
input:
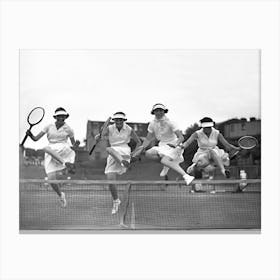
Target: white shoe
x,y
116,204
63,201
188,179
164,171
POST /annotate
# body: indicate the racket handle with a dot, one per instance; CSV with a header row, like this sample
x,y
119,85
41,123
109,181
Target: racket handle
x,y
24,139
92,149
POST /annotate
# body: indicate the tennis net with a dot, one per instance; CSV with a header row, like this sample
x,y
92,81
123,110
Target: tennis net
x,y
146,205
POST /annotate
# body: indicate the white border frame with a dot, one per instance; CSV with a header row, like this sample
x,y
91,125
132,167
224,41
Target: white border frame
x,y
139,25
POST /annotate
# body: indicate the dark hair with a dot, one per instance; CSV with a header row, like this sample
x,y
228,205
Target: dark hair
x,y
120,113
60,109
206,119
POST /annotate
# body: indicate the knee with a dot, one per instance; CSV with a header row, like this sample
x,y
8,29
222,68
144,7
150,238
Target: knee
x,y
213,154
109,150
165,159
150,154
202,162
225,160
46,149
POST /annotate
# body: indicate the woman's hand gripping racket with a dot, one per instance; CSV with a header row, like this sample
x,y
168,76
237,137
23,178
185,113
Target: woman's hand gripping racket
x,y
245,143
101,134
33,118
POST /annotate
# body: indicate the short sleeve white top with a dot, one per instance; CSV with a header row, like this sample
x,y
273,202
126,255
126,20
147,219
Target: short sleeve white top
x,y
60,135
164,130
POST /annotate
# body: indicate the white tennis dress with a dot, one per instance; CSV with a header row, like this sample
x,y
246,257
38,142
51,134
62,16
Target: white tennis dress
x,y
58,141
119,142
205,144
164,131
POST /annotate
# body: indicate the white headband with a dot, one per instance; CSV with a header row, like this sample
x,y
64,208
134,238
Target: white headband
x,y
207,124
60,112
119,116
159,106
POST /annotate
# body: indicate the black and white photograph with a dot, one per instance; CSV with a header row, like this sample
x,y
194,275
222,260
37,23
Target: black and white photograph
x,y
140,140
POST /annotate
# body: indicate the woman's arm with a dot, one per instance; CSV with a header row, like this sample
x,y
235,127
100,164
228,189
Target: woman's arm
x,y
75,143
149,138
37,137
192,138
104,136
141,148
226,144
180,136
135,137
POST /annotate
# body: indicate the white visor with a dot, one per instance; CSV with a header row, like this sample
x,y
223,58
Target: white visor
x,y
60,112
159,106
119,116
207,124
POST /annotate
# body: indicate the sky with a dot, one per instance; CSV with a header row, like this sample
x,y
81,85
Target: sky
x,y
93,85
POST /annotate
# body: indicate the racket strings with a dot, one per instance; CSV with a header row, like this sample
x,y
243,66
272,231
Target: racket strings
x,y
36,116
248,142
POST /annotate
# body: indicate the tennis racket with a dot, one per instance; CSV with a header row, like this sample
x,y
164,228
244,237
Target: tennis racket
x,y
245,143
33,118
101,132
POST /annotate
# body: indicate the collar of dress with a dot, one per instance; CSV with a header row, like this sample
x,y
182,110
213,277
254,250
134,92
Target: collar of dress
x,y
123,127
164,118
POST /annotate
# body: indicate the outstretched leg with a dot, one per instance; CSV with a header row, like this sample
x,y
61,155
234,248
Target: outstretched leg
x,y
153,154
56,188
112,187
167,161
114,192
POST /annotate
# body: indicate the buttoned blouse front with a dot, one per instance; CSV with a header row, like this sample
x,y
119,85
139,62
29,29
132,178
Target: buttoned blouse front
x,y
164,130
119,137
60,135
205,142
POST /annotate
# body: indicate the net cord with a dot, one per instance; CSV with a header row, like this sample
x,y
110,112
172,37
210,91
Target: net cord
x,y
133,182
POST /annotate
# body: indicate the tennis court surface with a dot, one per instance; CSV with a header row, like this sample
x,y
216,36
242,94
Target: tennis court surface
x,y
146,205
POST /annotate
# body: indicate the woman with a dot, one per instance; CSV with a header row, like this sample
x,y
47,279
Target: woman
x,y
118,136
59,156
169,137
209,154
